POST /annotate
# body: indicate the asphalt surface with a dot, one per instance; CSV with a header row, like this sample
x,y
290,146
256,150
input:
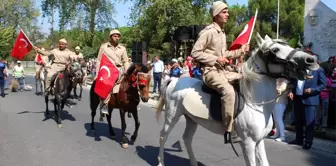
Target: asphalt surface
x,y
27,138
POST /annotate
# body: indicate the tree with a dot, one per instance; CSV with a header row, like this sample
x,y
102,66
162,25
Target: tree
x,y
16,14
291,17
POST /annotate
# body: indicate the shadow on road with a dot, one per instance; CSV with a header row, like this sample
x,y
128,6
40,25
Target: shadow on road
x,y
64,115
150,154
101,130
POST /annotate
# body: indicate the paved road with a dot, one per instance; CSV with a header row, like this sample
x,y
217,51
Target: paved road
x,y
27,138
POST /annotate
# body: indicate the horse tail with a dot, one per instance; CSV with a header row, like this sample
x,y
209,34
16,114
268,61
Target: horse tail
x,y
161,102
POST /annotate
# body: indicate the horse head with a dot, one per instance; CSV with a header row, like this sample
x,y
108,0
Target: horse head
x,y
281,60
75,70
139,77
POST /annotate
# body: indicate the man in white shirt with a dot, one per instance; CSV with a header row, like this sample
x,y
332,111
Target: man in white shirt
x,y
18,73
157,67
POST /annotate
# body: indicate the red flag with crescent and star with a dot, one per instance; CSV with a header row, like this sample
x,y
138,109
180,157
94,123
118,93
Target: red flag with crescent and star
x,y
39,59
244,36
22,46
106,78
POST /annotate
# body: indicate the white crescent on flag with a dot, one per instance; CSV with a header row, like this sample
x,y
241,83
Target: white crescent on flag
x,y
244,30
24,41
108,71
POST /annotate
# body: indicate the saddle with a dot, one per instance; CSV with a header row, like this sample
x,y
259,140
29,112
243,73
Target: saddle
x,y
205,103
216,105
119,95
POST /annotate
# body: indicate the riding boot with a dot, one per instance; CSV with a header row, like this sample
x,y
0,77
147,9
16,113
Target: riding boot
x,y
227,116
103,107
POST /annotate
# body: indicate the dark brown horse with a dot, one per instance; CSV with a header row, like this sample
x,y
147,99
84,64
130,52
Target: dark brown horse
x,y
134,86
60,88
78,80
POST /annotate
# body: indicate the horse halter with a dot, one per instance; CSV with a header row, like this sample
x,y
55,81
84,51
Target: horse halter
x,y
136,82
271,58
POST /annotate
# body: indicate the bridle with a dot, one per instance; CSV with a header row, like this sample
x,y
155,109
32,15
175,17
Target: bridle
x,y
269,57
136,82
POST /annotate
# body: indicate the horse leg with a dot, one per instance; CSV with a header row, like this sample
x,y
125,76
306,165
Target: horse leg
x,y
188,135
261,153
94,102
42,86
108,118
248,146
75,90
124,142
46,99
137,124
57,105
80,92
170,121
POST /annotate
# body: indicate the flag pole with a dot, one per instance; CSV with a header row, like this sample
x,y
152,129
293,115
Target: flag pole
x,y
27,37
254,21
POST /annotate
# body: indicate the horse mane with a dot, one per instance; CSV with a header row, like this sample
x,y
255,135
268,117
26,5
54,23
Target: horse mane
x,y
143,68
249,67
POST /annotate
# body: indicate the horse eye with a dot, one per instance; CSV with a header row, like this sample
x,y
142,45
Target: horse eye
x,y
275,50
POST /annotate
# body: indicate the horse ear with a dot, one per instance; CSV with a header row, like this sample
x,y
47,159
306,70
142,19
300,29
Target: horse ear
x,y
260,40
268,38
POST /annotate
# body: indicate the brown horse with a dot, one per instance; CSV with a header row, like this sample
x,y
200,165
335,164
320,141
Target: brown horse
x,y
134,86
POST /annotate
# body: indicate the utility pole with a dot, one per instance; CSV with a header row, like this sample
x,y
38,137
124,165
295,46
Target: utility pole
x,y
278,19
52,26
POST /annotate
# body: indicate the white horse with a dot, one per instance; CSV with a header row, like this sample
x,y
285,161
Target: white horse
x,y
272,59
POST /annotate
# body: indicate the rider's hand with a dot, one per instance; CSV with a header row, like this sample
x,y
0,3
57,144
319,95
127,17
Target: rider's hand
x,y
36,48
223,60
245,48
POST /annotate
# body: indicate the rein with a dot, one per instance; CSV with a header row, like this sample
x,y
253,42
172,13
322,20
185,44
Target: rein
x,y
271,57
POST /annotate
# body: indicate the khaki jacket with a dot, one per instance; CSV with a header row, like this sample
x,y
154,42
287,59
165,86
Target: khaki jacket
x,y
117,55
45,59
59,56
75,57
211,45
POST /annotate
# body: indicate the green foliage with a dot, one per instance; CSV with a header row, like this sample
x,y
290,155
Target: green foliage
x,y
6,37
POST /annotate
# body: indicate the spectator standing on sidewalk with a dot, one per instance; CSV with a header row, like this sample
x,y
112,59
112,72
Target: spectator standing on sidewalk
x,y
18,73
157,67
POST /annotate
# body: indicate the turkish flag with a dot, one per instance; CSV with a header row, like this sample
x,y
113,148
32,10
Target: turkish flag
x,y
243,36
107,75
22,46
39,59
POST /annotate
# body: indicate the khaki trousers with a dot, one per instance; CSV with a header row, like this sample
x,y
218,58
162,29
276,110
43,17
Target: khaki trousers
x,y
53,70
217,79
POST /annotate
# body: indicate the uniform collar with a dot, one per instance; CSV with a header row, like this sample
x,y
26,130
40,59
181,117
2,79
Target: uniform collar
x,y
217,27
110,45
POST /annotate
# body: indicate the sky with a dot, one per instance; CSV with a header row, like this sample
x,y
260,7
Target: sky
x,y
124,10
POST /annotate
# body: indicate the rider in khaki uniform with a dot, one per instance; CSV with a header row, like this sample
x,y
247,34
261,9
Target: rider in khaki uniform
x,y
38,66
117,55
77,56
210,50
61,57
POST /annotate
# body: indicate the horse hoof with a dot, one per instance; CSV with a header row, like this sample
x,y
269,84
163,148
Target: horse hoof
x,y
133,138
113,137
60,126
124,145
